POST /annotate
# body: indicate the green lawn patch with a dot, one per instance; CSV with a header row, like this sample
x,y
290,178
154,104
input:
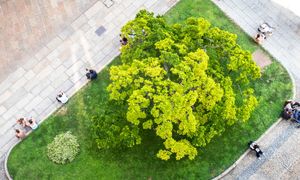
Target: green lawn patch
x,y
29,160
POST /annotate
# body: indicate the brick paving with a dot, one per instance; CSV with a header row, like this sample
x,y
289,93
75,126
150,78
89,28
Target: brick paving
x,y
27,25
281,145
29,88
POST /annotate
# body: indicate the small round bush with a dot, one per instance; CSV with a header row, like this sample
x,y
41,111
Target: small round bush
x,y
63,148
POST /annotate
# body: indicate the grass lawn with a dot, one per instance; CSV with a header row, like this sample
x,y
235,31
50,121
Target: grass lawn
x,y
28,159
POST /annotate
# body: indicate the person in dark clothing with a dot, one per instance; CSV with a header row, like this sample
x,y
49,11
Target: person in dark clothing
x,y
253,146
290,109
124,41
91,74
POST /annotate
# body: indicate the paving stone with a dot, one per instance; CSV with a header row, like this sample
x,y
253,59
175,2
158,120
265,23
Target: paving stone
x,y
41,86
8,145
66,33
54,43
13,97
85,27
4,96
4,86
9,113
29,75
6,137
19,84
2,110
16,75
148,4
53,55
79,22
55,63
42,106
32,104
67,85
42,53
75,77
57,73
46,91
59,81
46,71
40,65
75,67
24,101
93,10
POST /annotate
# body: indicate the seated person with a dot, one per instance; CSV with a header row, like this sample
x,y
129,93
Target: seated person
x,y
20,134
265,29
21,122
289,109
91,74
62,97
287,114
253,146
260,37
123,40
32,124
292,104
296,116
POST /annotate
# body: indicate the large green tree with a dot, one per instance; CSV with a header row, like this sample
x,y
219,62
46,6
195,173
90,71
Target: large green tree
x,y
184,82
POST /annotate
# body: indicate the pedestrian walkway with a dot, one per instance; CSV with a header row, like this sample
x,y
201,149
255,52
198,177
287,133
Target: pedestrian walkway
x,y
91,40
280,145
28,25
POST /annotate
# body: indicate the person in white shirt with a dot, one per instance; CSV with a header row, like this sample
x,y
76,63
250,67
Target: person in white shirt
x,y
254,146
62,97
32,124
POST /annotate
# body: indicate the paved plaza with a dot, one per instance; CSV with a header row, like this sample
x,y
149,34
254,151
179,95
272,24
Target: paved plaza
x,y
45,46
281,144
26,26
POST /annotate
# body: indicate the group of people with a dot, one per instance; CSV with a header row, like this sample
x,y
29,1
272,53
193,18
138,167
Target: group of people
x,y
264,30
25,123
291,110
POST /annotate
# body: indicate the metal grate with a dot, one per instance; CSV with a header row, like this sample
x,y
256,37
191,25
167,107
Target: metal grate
x,y
108,3
100,30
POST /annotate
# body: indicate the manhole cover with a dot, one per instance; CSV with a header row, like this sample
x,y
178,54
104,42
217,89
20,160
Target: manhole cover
x,y
108,3
100,30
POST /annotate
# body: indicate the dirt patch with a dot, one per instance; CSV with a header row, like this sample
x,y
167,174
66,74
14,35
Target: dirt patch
x,y
261,58
62,111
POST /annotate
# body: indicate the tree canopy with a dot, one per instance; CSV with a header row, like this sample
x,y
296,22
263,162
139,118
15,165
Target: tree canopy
x,y
185,82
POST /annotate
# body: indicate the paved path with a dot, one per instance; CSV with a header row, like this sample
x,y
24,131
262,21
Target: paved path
x,y
27,25
281,145
60,64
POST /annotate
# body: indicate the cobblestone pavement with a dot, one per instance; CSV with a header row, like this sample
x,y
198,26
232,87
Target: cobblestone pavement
x,y
281,145
30,88
27,25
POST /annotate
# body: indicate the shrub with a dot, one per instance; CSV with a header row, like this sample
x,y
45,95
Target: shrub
x,y
63,148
